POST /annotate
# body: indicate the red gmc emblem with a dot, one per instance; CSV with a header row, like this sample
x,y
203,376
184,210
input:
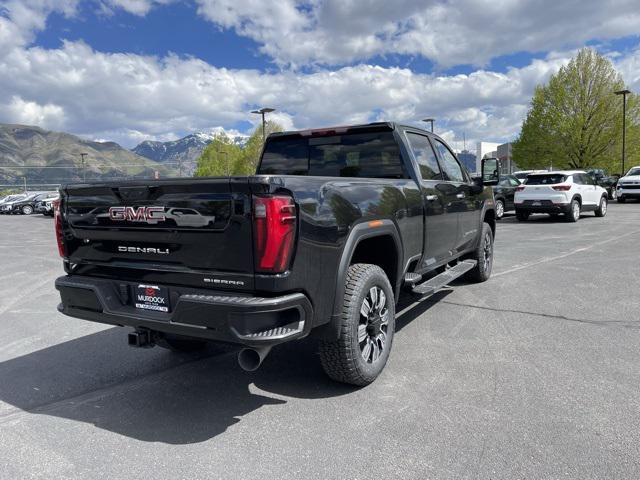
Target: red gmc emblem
x,y
137,214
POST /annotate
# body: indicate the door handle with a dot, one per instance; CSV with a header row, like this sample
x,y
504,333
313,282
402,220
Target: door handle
x,y
460,195
432,198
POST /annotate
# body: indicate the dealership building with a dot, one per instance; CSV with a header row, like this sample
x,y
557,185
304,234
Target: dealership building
x,y
503,152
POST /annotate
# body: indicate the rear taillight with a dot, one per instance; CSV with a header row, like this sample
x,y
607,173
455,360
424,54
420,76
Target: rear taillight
x,y
519,188
57,220
562,188
274,227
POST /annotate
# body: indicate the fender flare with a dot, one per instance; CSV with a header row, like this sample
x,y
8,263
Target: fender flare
x,y
359,232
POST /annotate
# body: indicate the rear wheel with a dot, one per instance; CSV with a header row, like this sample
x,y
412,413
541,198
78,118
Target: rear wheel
x,y
522,216
367,324
573,214
499,209
27,210
601,211
180,343
484,256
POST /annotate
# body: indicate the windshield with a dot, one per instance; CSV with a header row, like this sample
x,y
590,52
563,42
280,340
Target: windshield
x,y
369,154
634,171
548,179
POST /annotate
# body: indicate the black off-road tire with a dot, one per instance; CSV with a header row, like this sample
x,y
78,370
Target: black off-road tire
x,y
484,256
601,211
522,216
342,359
180,343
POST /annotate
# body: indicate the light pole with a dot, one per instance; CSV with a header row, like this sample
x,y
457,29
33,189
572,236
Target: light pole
x,y
431,121
226,158
262,112
84,172
624,94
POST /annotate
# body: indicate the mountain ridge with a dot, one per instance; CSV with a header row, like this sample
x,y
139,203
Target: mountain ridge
x,y
51,157
184,151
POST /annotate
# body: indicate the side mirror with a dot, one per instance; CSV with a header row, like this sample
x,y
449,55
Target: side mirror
x,y
490,171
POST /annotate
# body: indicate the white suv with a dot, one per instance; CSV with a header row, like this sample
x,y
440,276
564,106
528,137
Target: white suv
x,y
629,185
567,192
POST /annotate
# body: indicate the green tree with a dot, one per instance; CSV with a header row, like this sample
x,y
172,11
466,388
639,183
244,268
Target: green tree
x,y
253,148
219,158
222,157
575,120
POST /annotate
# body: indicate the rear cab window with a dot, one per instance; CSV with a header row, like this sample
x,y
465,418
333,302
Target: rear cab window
x,y
545,179
372,154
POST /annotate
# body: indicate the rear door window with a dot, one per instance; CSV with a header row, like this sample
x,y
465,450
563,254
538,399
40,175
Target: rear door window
x,y
452,169
425,156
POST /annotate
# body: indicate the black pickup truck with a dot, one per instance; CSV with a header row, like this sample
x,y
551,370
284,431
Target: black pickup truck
x,y
321,241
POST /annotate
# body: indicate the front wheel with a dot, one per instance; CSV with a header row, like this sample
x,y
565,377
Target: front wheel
x,y
601,211
367,324
27,210
484,256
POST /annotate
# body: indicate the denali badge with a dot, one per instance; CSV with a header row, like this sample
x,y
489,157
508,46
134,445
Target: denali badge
x,y
156,251
150,215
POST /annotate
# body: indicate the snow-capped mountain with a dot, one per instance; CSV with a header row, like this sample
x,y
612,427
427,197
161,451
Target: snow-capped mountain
x,y
184,152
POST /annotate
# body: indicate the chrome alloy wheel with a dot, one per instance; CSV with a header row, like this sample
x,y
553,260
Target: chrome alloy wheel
x,y
374,322
603,206
575,210
499,209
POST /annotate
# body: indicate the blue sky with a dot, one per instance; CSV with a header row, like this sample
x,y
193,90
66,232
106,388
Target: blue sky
x,y
129,70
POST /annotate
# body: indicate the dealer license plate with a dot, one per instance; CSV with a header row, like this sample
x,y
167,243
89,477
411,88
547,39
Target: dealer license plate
x,y
152,297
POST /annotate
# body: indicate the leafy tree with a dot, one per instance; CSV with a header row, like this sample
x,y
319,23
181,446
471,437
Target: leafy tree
x,y
575,120
253,148
241,161
219,158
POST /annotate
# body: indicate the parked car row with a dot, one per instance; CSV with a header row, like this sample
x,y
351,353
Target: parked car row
x,y
28,203
629,186
567,193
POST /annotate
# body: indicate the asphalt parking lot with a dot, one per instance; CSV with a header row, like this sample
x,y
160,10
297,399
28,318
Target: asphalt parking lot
x,y
533,374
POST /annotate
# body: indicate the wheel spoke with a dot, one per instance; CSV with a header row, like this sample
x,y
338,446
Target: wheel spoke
x,y
376,352
362,333
381,339
373,294
366,350
365,309
384,316
382,301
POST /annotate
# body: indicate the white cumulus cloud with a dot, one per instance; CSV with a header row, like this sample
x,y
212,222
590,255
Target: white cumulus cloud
x,y
453,32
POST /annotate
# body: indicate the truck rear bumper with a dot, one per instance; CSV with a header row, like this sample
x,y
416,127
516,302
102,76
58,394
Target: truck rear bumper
x,y
198,313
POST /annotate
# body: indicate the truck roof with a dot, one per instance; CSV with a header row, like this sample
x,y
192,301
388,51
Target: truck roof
x,y
344,128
